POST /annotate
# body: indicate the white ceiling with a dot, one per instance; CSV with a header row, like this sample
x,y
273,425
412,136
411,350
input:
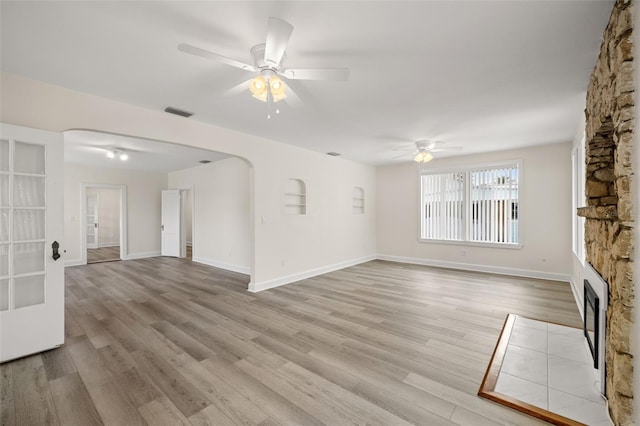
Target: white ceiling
x,y
483,75
90,148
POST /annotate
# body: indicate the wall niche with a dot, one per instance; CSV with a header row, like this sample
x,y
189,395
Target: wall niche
x,y
295,197
358,200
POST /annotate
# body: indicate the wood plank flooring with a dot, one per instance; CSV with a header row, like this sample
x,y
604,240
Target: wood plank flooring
x,y
103,254
167,341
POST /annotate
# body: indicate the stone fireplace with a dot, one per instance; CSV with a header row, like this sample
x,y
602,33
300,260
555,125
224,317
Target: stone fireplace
x,y
609,213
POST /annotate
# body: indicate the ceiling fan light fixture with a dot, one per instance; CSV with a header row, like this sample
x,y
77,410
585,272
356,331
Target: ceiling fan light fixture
x,y
423,157
278,88
258,88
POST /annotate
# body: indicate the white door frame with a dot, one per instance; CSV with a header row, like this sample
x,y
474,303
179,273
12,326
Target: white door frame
x,y
123,217
96,230
183,225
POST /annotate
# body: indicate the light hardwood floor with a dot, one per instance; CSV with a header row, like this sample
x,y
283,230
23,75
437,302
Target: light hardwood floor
x,y
103,254
168,341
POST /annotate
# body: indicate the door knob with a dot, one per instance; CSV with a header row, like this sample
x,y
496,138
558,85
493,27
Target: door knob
x,y
55,246
162,227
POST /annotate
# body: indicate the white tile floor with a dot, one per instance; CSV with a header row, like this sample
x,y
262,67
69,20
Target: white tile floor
x,y
549,366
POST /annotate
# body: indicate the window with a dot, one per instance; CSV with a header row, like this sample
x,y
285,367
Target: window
x,y
477,205
578,169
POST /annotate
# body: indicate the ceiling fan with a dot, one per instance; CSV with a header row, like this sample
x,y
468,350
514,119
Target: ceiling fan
x,y
268,59
424,148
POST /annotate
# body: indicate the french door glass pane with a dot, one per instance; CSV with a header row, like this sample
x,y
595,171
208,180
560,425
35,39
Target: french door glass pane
x,y
28,158
28,225
28,258
28,191
4,155
28,291
4,260
4,295
4,190
4,225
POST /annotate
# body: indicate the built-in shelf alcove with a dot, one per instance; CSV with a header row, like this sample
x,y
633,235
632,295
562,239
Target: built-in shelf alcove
x,y
295,197
358,200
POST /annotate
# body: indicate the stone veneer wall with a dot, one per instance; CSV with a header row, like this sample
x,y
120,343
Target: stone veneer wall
x,y
610,213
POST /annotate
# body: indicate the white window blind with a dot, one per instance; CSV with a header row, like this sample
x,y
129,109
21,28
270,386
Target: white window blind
x,y
478,205
443,206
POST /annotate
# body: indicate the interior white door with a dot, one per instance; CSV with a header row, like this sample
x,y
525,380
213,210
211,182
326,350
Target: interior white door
x,y
31,225
171,227
92,221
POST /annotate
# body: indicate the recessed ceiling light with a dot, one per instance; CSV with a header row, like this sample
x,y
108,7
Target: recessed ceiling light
x,y
111,154
124,156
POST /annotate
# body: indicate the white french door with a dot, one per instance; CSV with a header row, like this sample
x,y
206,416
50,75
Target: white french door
x,y
92,221
171,225
31,226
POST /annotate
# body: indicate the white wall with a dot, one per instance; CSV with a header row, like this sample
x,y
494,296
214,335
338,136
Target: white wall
x,y
221,191
544,210
108,216
143,207
285,248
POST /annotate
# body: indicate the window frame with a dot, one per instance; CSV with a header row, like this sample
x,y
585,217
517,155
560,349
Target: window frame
x,y
467,205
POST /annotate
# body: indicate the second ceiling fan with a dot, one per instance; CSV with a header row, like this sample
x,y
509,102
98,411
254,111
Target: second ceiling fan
x,y
268,59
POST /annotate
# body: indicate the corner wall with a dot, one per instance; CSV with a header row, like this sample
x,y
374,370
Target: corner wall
x,y
545,210
221,195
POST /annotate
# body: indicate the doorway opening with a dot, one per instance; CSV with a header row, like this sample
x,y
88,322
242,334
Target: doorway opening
x,y
104,229
177,223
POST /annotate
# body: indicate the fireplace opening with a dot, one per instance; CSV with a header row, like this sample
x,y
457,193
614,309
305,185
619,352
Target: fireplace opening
x,y
591,322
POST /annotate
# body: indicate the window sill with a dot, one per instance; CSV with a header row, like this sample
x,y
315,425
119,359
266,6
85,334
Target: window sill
x,y
516,246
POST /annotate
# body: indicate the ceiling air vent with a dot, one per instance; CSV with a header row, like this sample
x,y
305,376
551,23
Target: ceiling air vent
x,y
180,112
204,161
333,154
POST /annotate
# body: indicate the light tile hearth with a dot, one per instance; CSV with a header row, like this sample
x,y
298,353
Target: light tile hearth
x,y
549,366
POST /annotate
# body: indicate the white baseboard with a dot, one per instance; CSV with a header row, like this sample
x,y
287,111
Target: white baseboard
x,y
478,268
222,265
576,295
134,256
113,244
277,282
74,262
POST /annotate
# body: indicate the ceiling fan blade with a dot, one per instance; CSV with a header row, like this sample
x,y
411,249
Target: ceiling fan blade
x,y
404,155
292,97
446,148
236,90
215,57
278,34
329,74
